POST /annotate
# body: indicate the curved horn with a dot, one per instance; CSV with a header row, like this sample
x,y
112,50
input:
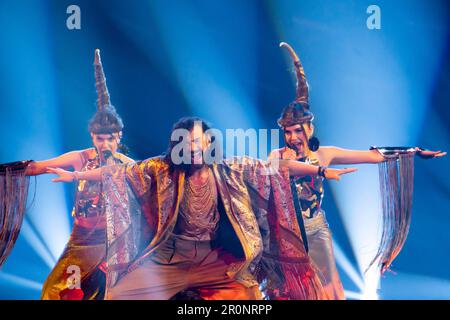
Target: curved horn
x,y
302,92
103,98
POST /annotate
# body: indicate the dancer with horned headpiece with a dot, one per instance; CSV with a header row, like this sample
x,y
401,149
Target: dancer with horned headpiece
x,y
296,121
78,273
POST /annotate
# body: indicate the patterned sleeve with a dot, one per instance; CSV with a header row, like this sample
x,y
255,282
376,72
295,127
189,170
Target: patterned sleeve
x,y
124,187
257,174
284,268
138,176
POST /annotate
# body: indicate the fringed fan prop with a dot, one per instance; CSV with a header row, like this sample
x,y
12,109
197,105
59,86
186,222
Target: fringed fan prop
x,y
396,176
13,198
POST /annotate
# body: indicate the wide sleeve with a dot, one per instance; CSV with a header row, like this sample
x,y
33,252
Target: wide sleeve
x,y
138,176
124,189
284,268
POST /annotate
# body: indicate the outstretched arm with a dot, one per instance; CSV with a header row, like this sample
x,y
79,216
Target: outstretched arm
x,y
297,168
334,155
69,176
68,160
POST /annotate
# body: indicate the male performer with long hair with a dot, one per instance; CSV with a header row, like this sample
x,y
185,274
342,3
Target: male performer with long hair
x,y
225,228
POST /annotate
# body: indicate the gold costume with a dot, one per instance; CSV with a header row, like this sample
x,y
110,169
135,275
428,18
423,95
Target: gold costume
x,y
257,225
86,247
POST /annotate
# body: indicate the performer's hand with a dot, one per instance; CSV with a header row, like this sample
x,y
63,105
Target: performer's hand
x,y
335,174
64,175
428,154
288,154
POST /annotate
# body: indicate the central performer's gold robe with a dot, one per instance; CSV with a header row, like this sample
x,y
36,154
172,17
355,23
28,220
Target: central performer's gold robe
x,y
142,202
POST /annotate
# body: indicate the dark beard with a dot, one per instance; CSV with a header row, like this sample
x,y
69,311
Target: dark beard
x,y
187,168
